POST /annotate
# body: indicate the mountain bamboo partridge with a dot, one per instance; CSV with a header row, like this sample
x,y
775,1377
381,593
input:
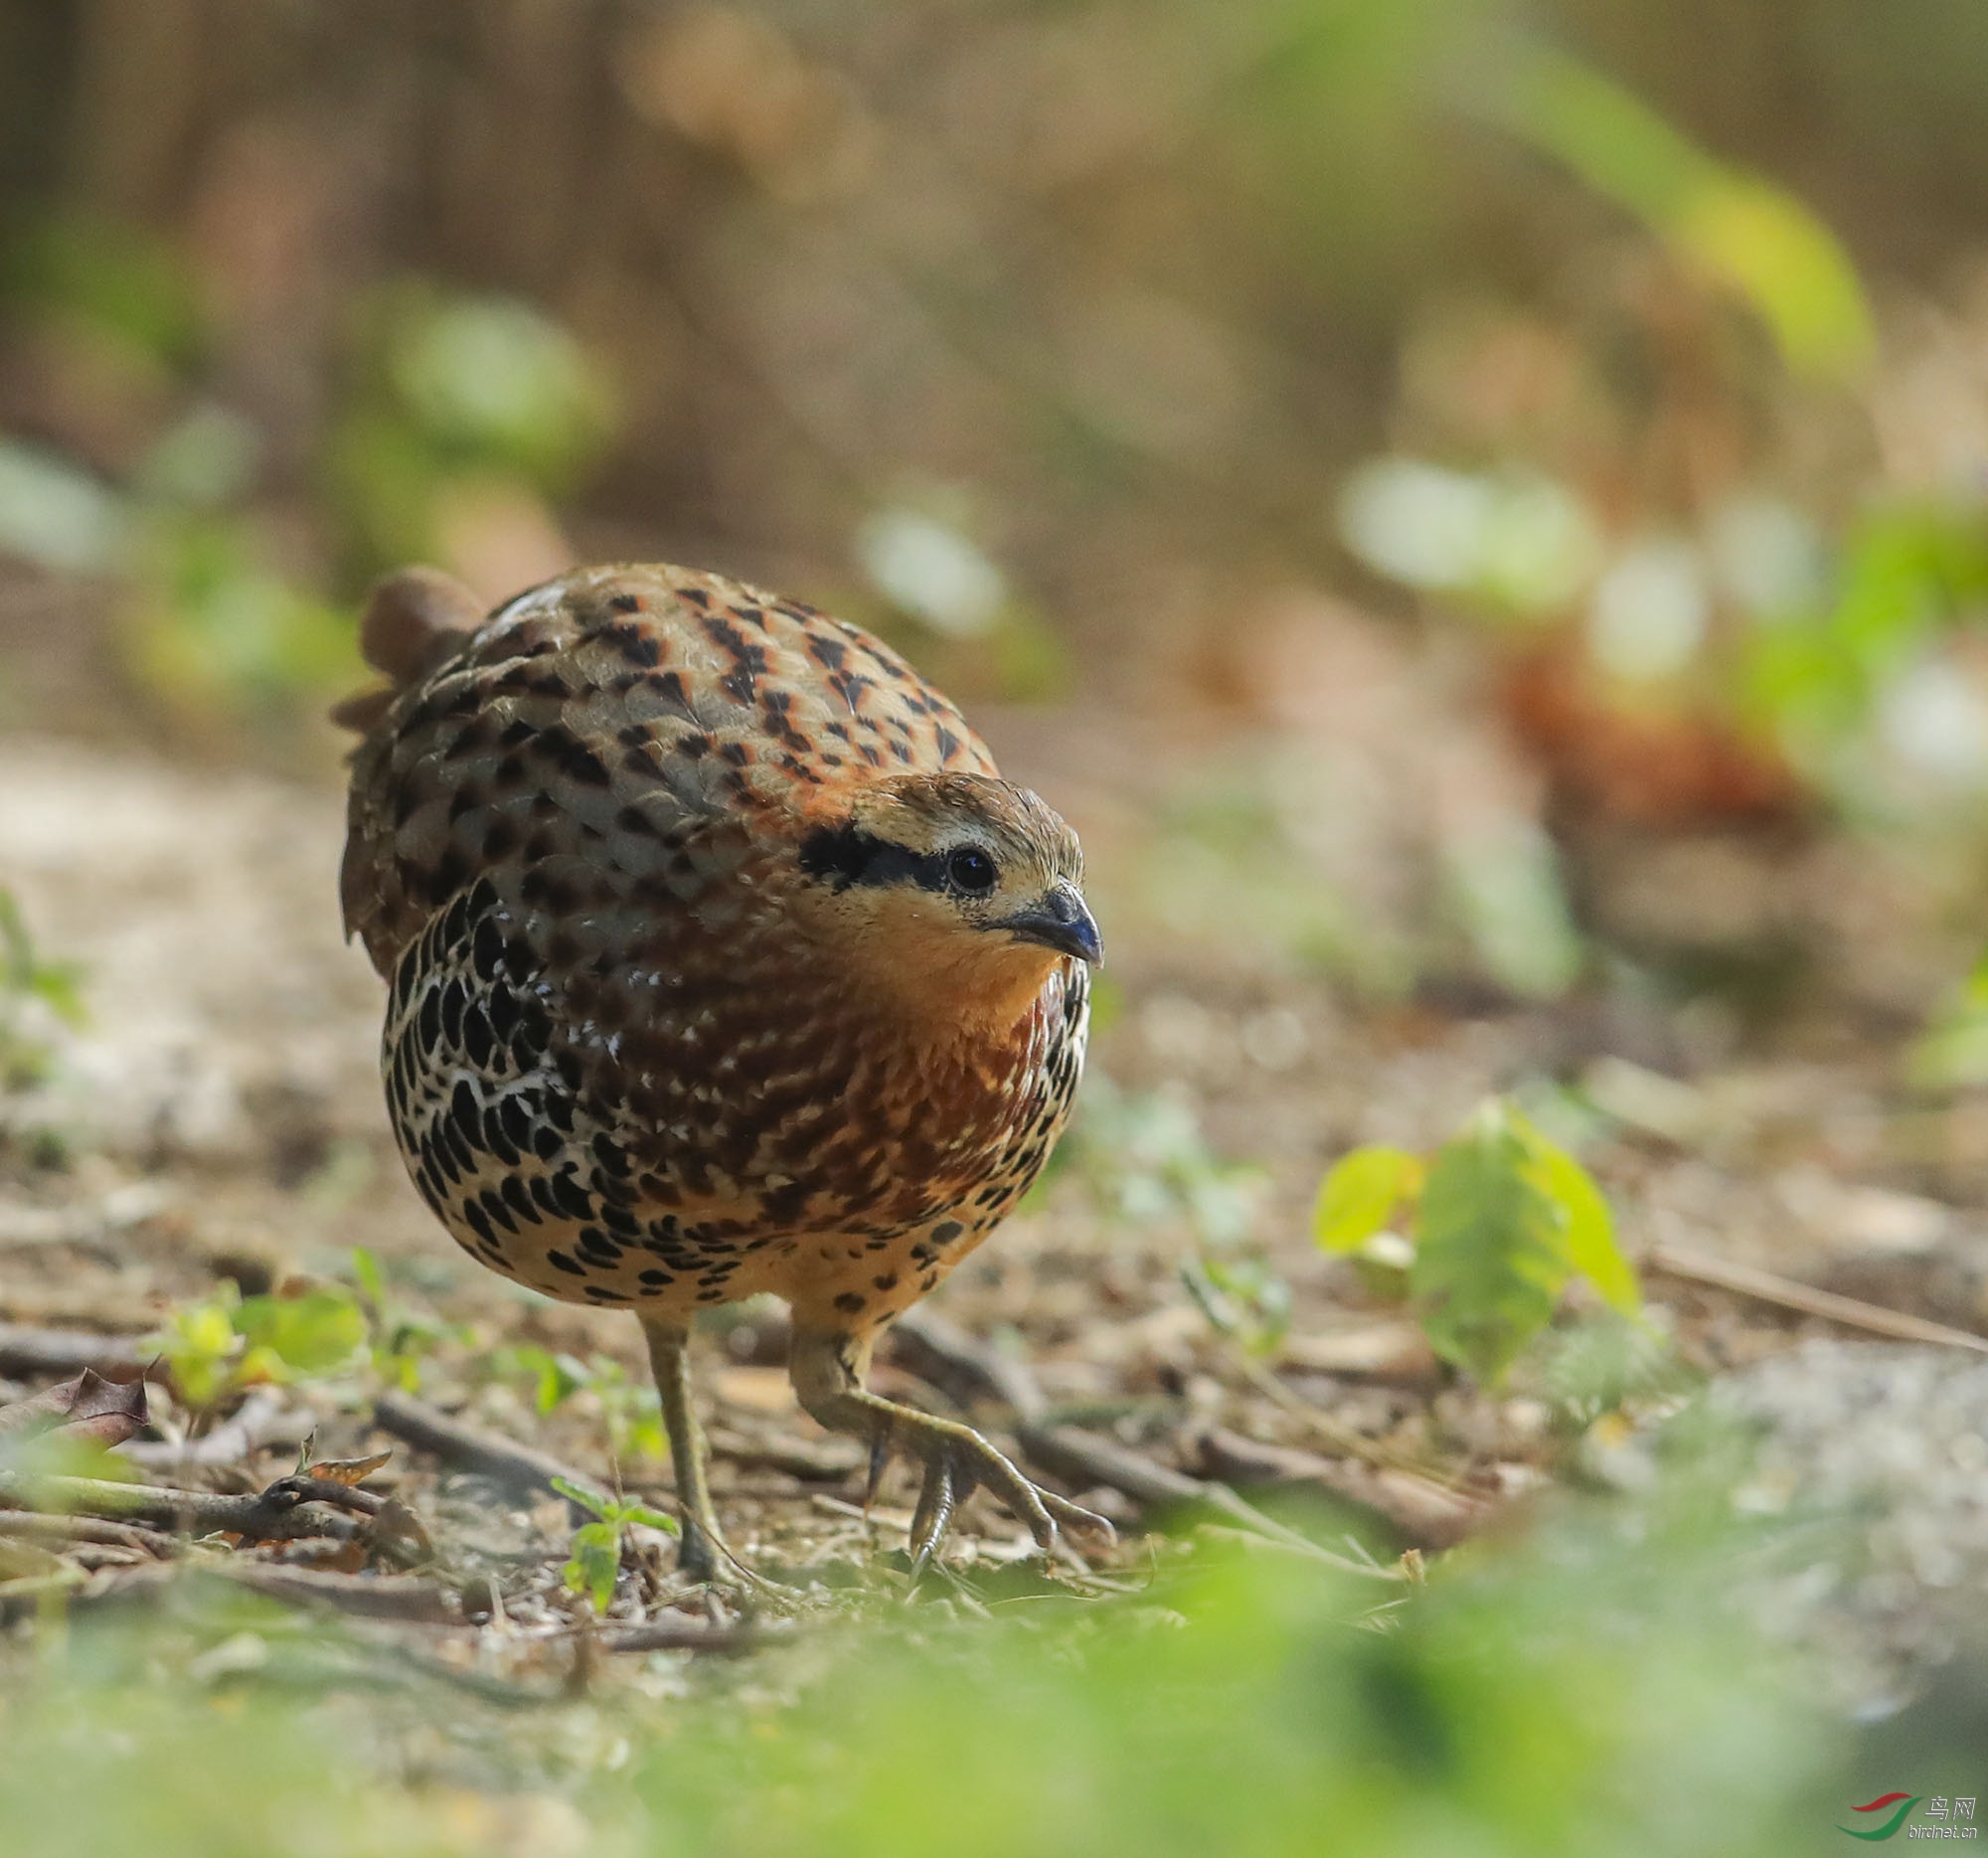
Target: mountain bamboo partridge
x,y
723,961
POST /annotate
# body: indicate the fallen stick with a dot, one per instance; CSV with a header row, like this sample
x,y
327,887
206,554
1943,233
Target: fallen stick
x,y
378,1597
1082,1457
469,1448
274,1515
64,1352
1342,1438
1851,1313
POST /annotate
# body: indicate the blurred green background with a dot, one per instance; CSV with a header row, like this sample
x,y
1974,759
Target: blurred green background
x,y
1493,497
1616,373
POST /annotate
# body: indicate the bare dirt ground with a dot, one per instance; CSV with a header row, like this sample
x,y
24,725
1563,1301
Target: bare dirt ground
x,y
219,1117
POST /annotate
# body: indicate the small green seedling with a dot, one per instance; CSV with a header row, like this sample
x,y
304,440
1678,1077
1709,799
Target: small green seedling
x,y
595,1560
1500,1220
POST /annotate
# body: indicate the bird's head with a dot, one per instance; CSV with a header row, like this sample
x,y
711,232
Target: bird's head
x,y
953,882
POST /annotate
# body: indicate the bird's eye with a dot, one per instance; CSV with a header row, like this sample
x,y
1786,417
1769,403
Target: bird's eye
x,y
971,871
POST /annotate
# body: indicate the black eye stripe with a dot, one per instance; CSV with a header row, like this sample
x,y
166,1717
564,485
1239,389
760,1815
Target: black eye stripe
x,y
844,855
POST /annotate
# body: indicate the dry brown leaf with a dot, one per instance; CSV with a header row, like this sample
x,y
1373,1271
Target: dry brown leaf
x,y
346,1470
85,1407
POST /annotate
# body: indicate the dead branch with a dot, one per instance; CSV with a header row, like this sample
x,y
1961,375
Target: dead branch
x,y
963,1366
281,1513
1329,1431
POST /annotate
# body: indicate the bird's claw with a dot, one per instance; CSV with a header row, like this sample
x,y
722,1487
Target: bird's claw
x,y
957,1461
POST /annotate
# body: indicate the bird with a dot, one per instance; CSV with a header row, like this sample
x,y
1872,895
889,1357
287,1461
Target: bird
x,y
720,961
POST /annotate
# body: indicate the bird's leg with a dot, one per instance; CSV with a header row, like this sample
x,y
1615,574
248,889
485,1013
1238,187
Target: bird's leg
x,y
828,1366
703,1545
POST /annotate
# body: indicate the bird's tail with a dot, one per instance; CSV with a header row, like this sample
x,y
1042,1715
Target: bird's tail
x,y
414,619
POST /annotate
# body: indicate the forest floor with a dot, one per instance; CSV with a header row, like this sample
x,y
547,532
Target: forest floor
x,y
217,1117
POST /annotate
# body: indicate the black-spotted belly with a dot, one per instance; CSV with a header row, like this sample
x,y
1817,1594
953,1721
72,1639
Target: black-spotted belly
x,y
490,1121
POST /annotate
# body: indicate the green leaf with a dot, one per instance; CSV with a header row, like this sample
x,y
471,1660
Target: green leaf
x,y
1360,1193
309,1334
590,1501
1589,1227
1491,1252
650,1519
595,1561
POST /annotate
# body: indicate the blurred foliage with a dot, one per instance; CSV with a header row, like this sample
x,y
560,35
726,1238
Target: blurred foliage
x,y
224,1342
1229,869
463,417
1864,691
1614,1362
459,410
1500,1218
1605,1686
211,630
35,994
1749,235
110,286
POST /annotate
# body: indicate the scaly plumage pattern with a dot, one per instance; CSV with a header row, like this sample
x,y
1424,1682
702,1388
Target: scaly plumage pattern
x,y
722,961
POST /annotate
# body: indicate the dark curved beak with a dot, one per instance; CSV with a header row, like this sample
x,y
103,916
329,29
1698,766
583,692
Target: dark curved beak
x,y
1060,922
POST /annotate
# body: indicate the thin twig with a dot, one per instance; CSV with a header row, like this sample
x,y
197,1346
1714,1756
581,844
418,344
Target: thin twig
x,y
1851,1313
